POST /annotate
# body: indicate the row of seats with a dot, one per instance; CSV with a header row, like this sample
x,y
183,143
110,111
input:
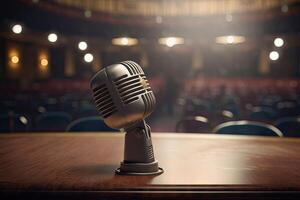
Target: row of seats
x,y
61,121
51,122
288,127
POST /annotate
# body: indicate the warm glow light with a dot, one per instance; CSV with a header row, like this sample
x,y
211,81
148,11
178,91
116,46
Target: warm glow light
x,y
124,41
274,55
44,62
43,68
171,41
82,45
278,42
17,29
88,57
15,59
52,37
230,39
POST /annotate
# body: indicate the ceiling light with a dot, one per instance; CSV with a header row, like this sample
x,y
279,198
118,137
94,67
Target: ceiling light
x,y
171,41
15,59
124,41
17,29
44,62
230,39
82,45
52,37
88,57
278,42
274,55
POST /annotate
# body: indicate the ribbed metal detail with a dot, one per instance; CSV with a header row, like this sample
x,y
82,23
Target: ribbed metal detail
x,y
148,85
103,100
132,67
149,101
129,88
150,152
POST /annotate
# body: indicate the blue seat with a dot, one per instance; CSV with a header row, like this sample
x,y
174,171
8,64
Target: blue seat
x,y
288,109
85,112
14,123
89,124
290,126
261,113
245,127
53,121
4,109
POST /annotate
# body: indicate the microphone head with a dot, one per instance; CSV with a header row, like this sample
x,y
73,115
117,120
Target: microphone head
x,y
122,94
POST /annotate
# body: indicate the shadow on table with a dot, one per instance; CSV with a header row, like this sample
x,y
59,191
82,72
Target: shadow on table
x,y
91,170
106,177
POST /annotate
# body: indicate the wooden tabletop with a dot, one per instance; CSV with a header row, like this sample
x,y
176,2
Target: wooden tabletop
x,y
216,166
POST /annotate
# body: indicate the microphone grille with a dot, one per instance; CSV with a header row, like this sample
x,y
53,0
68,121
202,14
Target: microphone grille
x,y
103,100
131,87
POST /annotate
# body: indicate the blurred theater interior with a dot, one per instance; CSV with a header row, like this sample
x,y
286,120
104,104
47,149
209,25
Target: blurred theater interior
x,y
223,82
208,62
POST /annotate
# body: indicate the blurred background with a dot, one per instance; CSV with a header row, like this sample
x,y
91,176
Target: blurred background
x,y
209,62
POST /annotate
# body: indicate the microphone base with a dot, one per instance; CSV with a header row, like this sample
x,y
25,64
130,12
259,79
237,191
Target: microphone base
x,y
139,169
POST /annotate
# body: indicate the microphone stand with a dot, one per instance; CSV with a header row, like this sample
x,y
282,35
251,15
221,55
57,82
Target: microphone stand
x,y
138,154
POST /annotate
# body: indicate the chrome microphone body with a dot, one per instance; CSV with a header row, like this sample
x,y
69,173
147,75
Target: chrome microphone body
x,y
124,99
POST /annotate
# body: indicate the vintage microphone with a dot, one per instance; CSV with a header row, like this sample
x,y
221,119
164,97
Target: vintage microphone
x,y
124,99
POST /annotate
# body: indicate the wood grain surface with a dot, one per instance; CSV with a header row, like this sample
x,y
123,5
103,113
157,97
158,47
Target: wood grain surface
x,y
223,165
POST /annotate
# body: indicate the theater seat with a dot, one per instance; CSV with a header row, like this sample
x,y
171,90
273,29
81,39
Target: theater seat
x,y
290,126
14,123
89,124
245,127
53,121
193,124
264,114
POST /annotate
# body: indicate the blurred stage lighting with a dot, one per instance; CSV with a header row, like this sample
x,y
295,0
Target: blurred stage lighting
x,y
274,55
82,45
230,39
171,41
278,42
15,59
52,37
124,41
17,29
88,57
